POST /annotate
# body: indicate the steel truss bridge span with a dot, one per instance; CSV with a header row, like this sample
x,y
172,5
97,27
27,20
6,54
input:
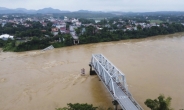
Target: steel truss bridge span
x,y
115,82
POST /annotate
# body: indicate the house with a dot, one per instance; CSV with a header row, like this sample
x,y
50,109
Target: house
x,y
135,28
54,25
6,37
78,24
61,26
129,28
63,29
27,25
71,28
153,24
54,31
65,18
74,20
44,24
97,21
5,16
3,24
119,25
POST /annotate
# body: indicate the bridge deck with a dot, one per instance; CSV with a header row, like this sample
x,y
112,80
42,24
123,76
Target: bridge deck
x,y
114,81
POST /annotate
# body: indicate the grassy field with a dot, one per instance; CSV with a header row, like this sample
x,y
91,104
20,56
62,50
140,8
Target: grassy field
x,y
156,21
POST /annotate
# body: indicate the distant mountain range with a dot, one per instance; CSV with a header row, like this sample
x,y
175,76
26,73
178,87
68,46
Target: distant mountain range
x,y
4,10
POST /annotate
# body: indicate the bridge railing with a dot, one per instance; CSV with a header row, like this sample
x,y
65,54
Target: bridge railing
x,y
112,78
109,72
48,48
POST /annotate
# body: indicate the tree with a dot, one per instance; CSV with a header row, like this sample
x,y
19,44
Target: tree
x,y
78,30
78,106
139,27
68,40
159,104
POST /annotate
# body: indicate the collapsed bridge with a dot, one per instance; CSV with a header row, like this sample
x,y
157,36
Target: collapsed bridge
x,y
115,82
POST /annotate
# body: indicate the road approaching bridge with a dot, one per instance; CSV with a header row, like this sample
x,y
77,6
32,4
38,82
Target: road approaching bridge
x,y
115,82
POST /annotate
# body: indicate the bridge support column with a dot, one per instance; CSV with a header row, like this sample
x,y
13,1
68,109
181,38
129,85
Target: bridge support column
x,y
92,72
75,41
115,103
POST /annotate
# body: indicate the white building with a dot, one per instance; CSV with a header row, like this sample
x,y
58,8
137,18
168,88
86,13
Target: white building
x,y
65,18
78,24
60,26
74,20
6,36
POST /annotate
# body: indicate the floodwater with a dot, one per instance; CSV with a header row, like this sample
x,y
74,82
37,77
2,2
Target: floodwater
x,y
37,80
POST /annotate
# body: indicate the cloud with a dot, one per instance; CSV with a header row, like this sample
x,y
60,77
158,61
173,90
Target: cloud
x,y
98,5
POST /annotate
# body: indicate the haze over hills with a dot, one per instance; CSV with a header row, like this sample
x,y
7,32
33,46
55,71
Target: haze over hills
x,y
4,10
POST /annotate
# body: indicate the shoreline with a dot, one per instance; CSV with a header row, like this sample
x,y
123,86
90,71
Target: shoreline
x,y
97,42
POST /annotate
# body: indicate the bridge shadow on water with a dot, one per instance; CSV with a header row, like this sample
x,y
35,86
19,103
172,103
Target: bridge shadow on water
x,y
101,96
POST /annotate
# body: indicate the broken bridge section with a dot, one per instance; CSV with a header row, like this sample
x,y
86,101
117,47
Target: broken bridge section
x,y
115,82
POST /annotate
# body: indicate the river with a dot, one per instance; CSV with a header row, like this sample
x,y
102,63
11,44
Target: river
x,y
37,80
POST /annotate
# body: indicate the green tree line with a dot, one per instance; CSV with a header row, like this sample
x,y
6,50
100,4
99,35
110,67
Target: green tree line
x,y
92,35
21,31
37,43
161,103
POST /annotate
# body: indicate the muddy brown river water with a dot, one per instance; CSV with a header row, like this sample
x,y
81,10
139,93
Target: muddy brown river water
x,y
37,80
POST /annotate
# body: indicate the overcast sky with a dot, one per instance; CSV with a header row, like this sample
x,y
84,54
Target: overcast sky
x,y
98,5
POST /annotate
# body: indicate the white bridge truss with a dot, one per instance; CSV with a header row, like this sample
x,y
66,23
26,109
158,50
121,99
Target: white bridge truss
x,y
115,81
48,48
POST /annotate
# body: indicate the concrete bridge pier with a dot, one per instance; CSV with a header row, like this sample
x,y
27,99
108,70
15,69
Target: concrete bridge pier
x,y
75,41
92,72
115,103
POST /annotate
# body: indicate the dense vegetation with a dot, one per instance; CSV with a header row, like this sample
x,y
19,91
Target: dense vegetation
x,y
78,106
31,35
159,104
85,106
105,35
8,45
91,35
34,29
36,43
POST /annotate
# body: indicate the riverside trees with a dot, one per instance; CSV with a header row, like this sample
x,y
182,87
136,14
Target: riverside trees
x,y
78,106
161,103
29,30
93,35
85,106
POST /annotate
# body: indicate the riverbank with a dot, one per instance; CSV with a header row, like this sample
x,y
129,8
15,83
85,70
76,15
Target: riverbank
x,y
103,35
11,47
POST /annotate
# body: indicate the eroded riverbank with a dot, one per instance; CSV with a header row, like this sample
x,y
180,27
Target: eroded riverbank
x,y
47,80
